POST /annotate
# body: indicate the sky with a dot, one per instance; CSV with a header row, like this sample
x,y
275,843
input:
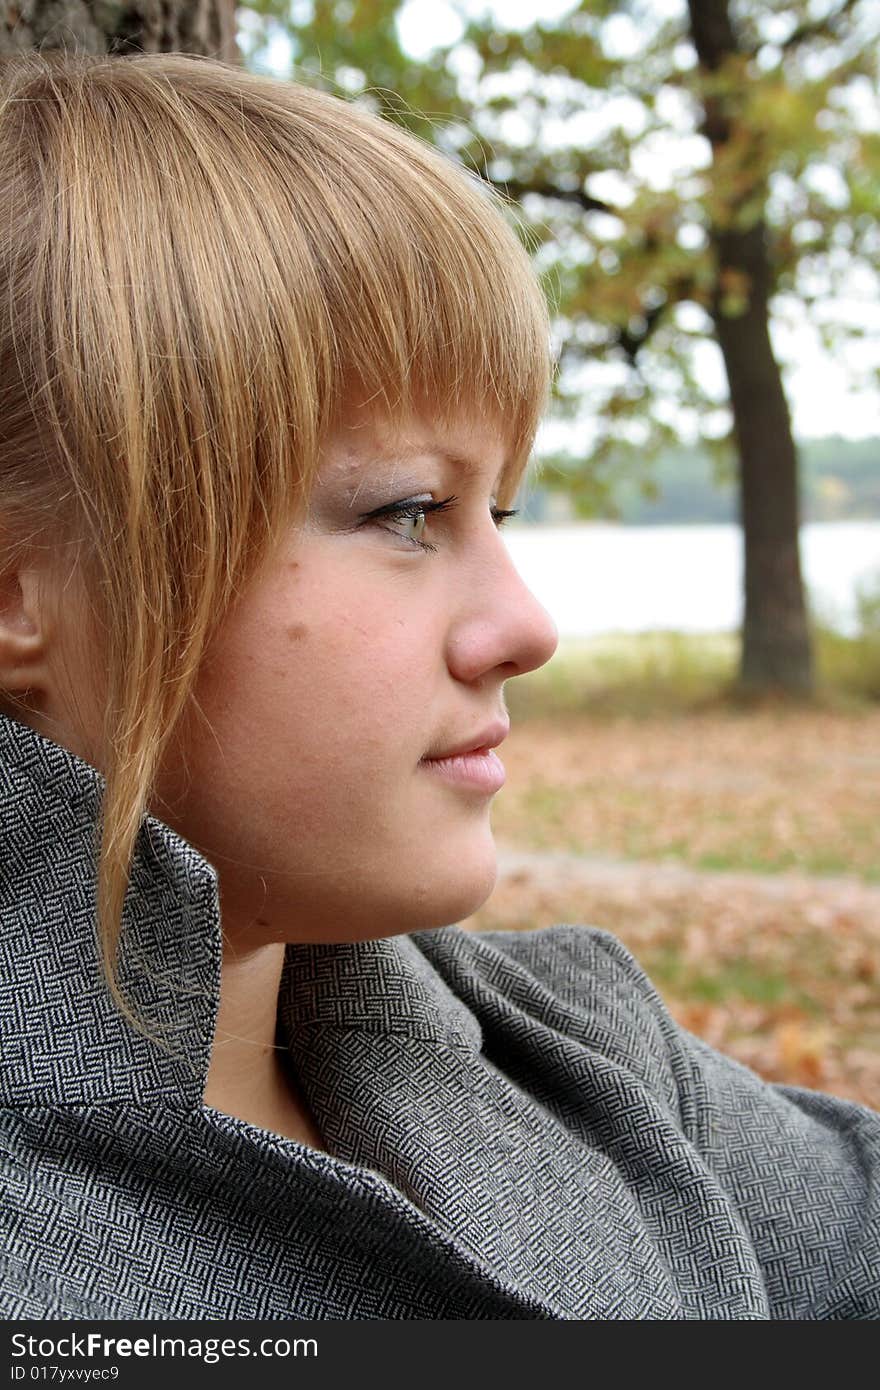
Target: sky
x,y
819,387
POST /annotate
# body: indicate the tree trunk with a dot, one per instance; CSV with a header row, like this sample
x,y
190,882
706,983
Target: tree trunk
x,y
206,27
776,650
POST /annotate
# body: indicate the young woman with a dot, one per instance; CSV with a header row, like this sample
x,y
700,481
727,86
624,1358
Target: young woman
x,y
270,371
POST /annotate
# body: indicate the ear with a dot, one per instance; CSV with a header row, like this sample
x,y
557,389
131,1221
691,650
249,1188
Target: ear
x,y
23,636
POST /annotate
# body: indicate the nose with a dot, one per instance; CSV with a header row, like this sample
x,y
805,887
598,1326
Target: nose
x,y
500,625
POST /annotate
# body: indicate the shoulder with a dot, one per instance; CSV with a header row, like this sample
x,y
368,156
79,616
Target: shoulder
x,y
582,979
570,982
581,987
577,964
580,964
801,1168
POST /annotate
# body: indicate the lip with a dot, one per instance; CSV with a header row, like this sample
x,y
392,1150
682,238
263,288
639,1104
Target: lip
x,y
480,770
483,742
473,764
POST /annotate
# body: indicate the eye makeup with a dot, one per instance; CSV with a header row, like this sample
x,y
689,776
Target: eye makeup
x,y
410,509
420,508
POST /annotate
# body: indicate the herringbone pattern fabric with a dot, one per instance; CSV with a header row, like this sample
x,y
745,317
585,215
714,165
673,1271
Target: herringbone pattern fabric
x,y
516,1127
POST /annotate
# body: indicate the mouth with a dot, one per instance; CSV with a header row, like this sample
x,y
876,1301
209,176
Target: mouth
x,y
472,765
482,743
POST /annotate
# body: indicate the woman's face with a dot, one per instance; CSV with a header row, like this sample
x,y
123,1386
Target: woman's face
x,y
353,657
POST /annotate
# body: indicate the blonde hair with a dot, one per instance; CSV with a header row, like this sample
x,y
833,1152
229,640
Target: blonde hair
x,y
200,266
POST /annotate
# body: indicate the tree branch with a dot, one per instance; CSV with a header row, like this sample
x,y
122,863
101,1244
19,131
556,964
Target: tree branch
x,y
632,343
518,188
820,28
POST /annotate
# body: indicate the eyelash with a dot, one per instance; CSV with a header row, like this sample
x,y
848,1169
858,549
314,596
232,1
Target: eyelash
x,y
402,511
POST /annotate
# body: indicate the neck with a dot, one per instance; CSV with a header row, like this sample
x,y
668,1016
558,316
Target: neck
x,y
249,1076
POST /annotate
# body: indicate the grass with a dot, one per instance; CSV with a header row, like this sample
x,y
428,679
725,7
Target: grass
x,y
849,666
640,674
653,673
760,791
673,973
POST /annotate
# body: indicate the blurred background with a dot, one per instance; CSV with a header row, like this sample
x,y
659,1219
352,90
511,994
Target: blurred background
x,y
698,182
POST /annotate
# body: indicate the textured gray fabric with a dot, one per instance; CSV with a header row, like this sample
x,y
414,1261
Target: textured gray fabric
x,y
517,1129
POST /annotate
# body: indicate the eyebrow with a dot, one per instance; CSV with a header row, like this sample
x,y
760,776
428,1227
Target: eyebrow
x,y
418,452
407,456
466,463
470,466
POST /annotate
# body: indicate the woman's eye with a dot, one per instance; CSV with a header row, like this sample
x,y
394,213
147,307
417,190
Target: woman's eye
x,y
409,519
418,521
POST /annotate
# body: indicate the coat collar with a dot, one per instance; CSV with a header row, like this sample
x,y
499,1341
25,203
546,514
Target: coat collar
x,y
64,1041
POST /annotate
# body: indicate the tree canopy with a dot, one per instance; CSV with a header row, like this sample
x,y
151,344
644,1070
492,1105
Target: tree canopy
x,y
595,122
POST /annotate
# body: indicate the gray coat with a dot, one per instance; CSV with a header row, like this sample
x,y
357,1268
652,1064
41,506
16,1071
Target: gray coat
x,y
517,1129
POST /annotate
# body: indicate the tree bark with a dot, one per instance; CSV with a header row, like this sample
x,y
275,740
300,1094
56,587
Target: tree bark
x,y
206,27
776,648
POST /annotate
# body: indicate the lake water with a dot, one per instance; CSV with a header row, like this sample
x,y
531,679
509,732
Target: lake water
x,y
594,577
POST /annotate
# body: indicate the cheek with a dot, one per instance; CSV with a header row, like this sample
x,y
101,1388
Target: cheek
x,y
312,712
365,668
311,707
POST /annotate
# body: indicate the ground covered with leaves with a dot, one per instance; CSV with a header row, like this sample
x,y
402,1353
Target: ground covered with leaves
x,y
737,854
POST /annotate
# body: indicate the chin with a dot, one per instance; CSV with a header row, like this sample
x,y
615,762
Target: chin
x,y
461,890
457,887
